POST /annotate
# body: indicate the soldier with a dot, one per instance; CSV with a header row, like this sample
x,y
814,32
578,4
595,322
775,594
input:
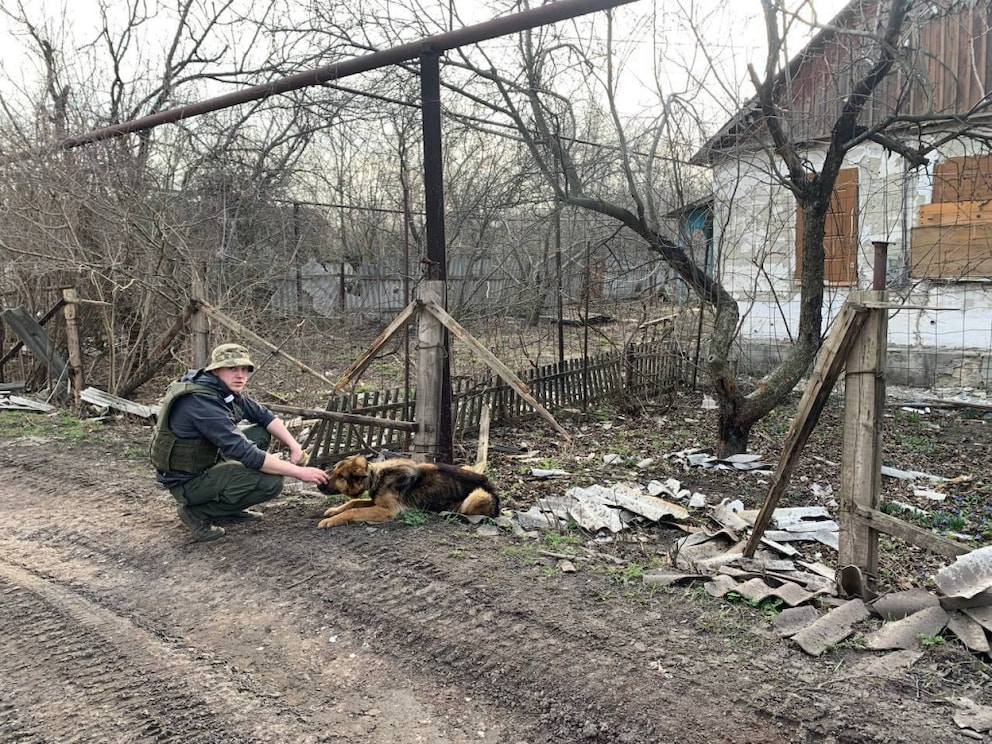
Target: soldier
x,y
214,469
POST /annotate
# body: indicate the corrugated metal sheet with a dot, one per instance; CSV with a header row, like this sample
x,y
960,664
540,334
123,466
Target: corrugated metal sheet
x,y
30,332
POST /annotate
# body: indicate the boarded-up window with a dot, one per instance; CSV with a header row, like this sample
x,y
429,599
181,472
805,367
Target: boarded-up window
x,y
963,179
953,239
840,239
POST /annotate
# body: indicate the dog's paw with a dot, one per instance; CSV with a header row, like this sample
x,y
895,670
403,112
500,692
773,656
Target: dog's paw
x,y
323,524
333,510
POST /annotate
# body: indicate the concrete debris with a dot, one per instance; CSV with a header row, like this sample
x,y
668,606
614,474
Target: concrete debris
x,y
969,575
672,578
972,716
892,665
720,585
897,605
589,514
908,632
981,615
908,508
671,488
704,552
819,569
103,400
700,458
728,513
789,622
926,493
982,599
758,590
911,474
832,628
697,501
544,473
969,632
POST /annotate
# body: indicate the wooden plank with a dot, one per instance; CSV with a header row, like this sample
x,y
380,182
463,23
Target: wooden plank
x,y
861,458
356,368
482,450
829,364
910,533
72,344
430,371
950,214
240,329
348,418
951,252
494,363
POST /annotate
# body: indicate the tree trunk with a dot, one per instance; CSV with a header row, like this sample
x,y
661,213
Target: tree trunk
x,y
733,432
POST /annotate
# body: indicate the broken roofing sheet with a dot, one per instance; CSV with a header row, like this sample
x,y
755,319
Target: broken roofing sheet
x,y
823,609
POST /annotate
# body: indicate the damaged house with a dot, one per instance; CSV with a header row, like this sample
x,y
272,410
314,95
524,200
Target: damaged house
x,y
934,215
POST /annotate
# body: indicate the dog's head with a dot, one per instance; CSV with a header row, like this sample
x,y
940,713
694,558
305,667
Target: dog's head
x,y
350,476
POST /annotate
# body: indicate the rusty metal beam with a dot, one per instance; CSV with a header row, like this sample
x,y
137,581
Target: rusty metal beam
x,y
545,14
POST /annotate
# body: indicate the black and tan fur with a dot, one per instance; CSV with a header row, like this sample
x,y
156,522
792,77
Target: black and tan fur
x,y
396,485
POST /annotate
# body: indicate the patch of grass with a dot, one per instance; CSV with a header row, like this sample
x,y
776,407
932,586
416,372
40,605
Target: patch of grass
x,y
917,442
934,640
59,425
525,552
769,607
559,541
625,575
414,517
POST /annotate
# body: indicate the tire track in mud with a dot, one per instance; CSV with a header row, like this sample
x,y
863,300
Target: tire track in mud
x,y
76,671
432,600
434,614
100,564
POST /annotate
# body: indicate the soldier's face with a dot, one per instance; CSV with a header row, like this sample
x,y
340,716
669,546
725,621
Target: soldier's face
x,y
236,378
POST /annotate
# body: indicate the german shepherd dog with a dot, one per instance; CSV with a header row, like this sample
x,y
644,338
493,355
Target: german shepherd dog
x,y
396,485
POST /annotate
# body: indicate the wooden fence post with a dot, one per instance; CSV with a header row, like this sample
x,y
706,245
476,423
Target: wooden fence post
x,y
201,328
72,342
430,372
864,403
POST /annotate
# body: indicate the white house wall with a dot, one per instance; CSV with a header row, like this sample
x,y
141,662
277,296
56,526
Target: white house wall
x,y
754,231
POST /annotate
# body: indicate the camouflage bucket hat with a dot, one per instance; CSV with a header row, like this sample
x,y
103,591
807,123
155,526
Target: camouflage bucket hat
x,y
230,355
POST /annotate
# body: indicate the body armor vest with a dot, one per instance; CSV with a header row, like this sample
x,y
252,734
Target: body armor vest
x,y
169,453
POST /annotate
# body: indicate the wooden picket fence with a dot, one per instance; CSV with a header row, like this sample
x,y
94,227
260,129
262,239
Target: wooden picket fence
x,y
639,371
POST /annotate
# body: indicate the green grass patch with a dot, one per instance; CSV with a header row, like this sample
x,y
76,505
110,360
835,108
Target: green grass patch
x,y
60,425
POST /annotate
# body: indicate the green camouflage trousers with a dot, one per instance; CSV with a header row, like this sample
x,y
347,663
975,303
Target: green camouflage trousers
x,y
228,487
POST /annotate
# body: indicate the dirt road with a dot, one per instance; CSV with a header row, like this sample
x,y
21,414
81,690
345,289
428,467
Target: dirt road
x,y
115,627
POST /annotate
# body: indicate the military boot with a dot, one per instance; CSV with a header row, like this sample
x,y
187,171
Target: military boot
x,y
202,530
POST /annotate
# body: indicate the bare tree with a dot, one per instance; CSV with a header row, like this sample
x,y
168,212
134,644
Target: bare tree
x,y
549,121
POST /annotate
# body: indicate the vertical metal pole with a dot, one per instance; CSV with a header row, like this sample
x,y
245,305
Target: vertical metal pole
x,y
434,437
558,290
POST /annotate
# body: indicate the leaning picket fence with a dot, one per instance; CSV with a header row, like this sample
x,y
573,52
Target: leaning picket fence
x,y
638,372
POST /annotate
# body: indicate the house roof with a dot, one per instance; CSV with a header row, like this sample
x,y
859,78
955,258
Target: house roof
x,y
931,79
